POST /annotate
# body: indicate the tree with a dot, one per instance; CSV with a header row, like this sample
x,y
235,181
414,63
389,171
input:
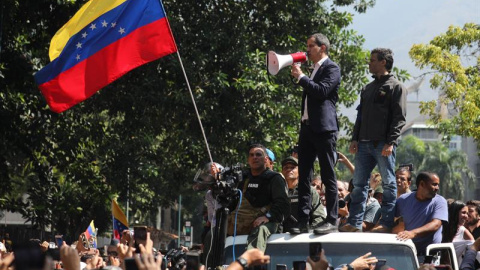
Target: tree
x,y
454,58
140,134
451,166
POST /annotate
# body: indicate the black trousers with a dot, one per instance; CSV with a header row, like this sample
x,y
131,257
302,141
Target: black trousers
x,y
310,146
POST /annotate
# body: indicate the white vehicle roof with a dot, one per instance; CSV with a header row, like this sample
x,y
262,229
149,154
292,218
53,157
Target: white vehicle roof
x,y
341,237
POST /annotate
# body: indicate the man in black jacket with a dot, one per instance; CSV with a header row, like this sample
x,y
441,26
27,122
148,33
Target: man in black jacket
x,y
265,203
318,132
381,116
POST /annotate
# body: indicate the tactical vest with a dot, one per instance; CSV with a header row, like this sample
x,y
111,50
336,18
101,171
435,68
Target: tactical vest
x,y
247,213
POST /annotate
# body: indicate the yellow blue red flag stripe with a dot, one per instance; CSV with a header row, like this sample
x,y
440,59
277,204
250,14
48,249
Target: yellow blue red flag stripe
x,y
120,222
91,234
128,34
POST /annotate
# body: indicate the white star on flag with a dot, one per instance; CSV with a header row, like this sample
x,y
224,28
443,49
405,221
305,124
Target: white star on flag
x,y
121,31
93,26
78,57
113,24
104,23
84,35
79,45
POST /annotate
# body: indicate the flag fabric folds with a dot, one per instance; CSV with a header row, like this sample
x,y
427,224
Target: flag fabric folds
x,y
104,40
91,235
120,222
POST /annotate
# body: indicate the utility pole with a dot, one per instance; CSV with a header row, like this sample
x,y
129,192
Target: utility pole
x,y
179,219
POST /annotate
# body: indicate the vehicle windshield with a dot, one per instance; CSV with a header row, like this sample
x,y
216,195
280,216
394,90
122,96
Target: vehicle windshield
x,y
396,256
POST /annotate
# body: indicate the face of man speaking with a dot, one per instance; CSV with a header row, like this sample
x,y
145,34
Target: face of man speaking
x,y
314,52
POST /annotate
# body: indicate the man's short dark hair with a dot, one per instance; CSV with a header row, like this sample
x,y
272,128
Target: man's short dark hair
x,y
475,203
384,54
405,169
257,145
321,39
424,177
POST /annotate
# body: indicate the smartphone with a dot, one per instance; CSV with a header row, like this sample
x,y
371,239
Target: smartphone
x,y
409,166
281,267
130,264
315,250
59,240
140,237
380,263
428,259
299,265
140,233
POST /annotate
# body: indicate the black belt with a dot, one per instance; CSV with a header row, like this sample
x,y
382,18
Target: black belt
x,y
306,122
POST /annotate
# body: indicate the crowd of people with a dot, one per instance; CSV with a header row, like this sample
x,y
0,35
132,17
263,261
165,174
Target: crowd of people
x,y
381,202
296,200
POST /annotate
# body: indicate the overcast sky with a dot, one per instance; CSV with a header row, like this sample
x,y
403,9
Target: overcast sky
x,y
398,24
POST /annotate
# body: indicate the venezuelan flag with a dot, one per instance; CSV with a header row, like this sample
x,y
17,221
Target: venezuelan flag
x,y
104,40
91,234
120,222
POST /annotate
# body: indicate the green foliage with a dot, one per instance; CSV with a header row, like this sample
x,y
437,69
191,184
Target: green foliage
x,y
454,58
451,166
140,134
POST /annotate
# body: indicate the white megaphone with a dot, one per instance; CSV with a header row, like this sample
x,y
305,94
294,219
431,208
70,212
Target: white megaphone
x,y
275,62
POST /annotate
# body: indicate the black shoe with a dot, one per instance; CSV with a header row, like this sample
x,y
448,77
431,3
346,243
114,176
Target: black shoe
x,y
301,228
327,227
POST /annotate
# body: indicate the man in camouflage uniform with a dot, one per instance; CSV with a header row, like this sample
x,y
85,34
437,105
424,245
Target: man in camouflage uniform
x,y
317,215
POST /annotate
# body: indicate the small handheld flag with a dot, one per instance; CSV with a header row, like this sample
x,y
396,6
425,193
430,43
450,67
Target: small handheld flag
x,y
91,235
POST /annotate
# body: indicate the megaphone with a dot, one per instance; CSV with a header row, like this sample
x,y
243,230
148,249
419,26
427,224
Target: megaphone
x,y
275,62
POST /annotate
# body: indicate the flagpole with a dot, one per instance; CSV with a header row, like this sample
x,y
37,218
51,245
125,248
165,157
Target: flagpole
x,y
188,85
195,106
1,25
113,222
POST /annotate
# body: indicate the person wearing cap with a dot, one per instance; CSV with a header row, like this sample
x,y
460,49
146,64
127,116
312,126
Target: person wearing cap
x,y
290,173
264,204
271,159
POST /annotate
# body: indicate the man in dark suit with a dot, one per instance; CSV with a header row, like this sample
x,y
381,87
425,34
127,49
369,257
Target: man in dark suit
x,y
318,132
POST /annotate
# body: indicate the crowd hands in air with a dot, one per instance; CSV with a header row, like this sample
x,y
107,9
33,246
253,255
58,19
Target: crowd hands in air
x,y
35,255
78,257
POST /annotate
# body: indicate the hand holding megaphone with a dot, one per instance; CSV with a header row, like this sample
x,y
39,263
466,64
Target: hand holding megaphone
x,y
275,62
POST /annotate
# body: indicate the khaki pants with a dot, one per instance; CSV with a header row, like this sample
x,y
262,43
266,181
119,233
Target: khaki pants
x,y
257,237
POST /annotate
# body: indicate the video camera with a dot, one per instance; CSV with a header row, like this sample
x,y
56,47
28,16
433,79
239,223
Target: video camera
x,y
223,184
175,258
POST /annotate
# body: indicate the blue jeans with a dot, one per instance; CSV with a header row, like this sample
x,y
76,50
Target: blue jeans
x,y
369,155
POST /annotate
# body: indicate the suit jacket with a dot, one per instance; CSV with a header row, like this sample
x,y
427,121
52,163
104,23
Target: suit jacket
x,y
322,94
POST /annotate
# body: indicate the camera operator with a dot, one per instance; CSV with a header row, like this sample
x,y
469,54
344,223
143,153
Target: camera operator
x,y
204,180
265,203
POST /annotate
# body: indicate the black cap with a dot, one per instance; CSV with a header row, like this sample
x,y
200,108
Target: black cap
x,y
290,160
